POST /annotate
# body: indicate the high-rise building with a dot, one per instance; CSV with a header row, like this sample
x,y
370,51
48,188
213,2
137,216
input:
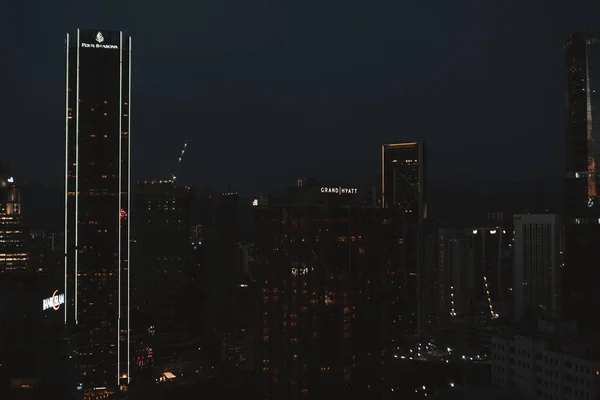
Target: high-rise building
x,y
97,205
403,187
582,205
537,261
162,233
323,262
13,237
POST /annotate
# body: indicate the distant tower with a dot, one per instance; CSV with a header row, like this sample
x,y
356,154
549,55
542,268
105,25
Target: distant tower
x,y
404,189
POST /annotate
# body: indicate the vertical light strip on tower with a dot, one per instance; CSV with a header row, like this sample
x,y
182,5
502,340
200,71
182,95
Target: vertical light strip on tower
x,y
129,216
120,195
66,176
382,175
76,250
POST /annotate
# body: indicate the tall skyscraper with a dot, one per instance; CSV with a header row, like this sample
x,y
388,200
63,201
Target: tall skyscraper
x,y
537,258
403,186
97,204
582,206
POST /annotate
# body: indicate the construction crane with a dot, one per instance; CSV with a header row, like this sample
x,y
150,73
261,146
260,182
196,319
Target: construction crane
x,y
173,175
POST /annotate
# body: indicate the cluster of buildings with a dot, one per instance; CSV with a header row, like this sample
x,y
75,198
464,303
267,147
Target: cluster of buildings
x,y
313,287
557,355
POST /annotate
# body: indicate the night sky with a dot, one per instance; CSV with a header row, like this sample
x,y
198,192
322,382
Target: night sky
x,y
267,91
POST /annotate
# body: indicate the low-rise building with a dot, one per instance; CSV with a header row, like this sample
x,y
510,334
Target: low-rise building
x,y
549,362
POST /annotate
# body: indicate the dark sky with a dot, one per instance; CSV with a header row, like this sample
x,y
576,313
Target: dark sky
x,y
270,90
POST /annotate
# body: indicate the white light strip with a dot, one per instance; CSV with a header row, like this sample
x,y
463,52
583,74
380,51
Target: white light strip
x,y
76,250
382,176
66,174
120,195
129,218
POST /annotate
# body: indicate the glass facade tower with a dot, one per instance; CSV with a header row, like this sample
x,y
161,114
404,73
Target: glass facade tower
x,y
97,199
582,208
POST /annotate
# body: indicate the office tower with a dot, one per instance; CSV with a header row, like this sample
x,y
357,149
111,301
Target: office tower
x,y
97,204
403,186
537,258
162,227
13,236
323,261
454,290
582,208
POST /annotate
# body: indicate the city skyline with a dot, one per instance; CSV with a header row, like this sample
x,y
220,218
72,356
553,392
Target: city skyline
x,y
350,278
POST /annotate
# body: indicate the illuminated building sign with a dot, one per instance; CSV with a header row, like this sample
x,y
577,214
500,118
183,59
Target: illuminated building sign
x,y
100,44
338,190
53,302
299,271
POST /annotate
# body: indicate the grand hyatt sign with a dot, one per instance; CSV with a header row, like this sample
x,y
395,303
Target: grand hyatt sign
x,y
338,190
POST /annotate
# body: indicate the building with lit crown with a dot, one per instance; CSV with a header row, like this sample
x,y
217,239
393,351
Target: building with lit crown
x,y
404,191
13,236
97,207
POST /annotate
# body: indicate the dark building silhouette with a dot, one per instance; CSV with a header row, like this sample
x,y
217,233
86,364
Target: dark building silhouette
x,y
404,190
484,271
453,261
323,262
221,226
44,257
582,208
97,196
198,284
162,227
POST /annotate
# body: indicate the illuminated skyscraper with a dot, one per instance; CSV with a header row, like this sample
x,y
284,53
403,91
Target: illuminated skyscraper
x,y
403,187
582,208
97,203
13,253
